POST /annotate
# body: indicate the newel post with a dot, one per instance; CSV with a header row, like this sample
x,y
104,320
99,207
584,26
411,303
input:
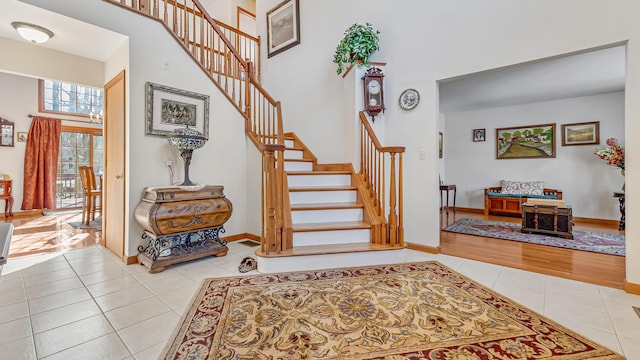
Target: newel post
x,y
393,216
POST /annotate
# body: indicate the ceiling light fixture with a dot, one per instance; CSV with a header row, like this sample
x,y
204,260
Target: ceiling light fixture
x,y
33,33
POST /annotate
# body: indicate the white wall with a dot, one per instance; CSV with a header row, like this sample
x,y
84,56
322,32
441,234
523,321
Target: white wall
x,y
18,99
40,62
221,161
425,41
587,182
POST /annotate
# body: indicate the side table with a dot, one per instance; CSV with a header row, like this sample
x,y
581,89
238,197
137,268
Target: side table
x,y
5,194
620,196
448,188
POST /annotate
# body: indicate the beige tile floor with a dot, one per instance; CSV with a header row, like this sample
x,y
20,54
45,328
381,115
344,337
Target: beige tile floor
x,y
85,304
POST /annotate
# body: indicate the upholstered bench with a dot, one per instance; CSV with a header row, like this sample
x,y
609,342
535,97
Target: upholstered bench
x,y
500,202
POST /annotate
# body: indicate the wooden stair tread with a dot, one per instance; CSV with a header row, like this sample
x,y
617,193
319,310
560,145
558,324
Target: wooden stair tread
x,y
320,172
329,226
326,206
331,249
323,188
294,148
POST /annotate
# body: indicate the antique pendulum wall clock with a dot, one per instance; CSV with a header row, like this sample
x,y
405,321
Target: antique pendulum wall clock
x,y
373,92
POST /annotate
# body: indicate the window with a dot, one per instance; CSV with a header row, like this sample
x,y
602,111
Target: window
x,y
78,147
65,98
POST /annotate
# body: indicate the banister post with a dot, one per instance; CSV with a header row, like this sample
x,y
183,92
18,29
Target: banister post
x,y
247,97
269,241
393,217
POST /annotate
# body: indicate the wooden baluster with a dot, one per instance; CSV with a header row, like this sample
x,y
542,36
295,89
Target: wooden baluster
x,y
175,20
247,92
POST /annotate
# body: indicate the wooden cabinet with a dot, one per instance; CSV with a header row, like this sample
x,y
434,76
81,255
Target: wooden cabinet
x,y
181,225
5,194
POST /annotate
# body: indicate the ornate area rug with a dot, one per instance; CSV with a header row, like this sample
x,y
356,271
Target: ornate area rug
x,y
613,244
403,311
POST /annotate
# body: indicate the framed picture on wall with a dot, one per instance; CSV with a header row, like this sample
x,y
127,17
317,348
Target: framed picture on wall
x,y
478,135
169,109
586,133
440,144
283,27
22,136
526,142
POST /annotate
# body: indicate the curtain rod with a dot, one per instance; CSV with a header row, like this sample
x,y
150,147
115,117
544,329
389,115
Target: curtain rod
x,y
80,121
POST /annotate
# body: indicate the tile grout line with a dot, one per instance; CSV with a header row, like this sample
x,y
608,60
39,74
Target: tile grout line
x,y
96,304
613,326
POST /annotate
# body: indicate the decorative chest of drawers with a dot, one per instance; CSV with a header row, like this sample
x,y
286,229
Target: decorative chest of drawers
x,y
181,225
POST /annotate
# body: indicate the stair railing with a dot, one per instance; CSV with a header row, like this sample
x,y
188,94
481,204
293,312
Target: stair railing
x,y
373,171
234,73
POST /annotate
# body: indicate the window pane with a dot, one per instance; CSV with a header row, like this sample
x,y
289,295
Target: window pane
x,y
71,98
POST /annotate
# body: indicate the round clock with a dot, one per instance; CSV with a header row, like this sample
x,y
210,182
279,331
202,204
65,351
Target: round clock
x,y
374,87
409,99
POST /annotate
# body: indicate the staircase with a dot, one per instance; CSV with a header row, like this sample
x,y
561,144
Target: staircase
x,y
307,208
326,215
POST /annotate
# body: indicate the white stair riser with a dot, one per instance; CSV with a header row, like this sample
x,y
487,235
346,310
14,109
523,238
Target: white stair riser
x,y
316,262
318,180
298,166
288,143
318,197
321,216
309,238
293,154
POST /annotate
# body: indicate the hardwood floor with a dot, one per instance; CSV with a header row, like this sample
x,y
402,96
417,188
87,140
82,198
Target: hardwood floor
x,y
595,268
41,234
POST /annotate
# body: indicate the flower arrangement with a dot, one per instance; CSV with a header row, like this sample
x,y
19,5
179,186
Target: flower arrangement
x,y
613,154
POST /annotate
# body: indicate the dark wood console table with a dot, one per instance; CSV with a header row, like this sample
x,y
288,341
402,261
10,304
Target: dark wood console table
x,y
181,225
620,196
448,188
5,194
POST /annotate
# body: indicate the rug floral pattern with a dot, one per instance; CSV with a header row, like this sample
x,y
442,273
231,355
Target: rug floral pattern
x,y
613,244
394,312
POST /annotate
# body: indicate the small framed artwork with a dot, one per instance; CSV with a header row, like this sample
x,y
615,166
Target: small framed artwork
x,y
440,144
283,27
586,133
22,136
478,135
526,142
6,132
168,109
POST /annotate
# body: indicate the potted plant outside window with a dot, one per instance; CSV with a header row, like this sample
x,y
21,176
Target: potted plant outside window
x,y
358,43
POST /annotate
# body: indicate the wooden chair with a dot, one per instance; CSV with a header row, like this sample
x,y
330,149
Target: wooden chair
x,y
91,193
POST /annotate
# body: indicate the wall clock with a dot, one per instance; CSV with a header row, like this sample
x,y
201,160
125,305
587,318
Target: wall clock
x,y
373,92
409,99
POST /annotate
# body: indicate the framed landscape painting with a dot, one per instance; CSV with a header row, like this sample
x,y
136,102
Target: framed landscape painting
x,y
283,27
586,133
526,142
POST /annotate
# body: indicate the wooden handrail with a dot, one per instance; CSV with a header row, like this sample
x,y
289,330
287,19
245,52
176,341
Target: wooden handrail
x,y
234,73
373,173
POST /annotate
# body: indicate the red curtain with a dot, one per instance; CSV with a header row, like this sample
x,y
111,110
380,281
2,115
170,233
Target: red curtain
x,y
41,164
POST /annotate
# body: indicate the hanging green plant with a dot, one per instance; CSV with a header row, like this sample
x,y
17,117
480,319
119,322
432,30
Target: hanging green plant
x,y
358,43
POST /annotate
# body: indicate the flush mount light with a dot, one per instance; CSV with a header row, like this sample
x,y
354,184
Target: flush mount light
x,y
33,33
